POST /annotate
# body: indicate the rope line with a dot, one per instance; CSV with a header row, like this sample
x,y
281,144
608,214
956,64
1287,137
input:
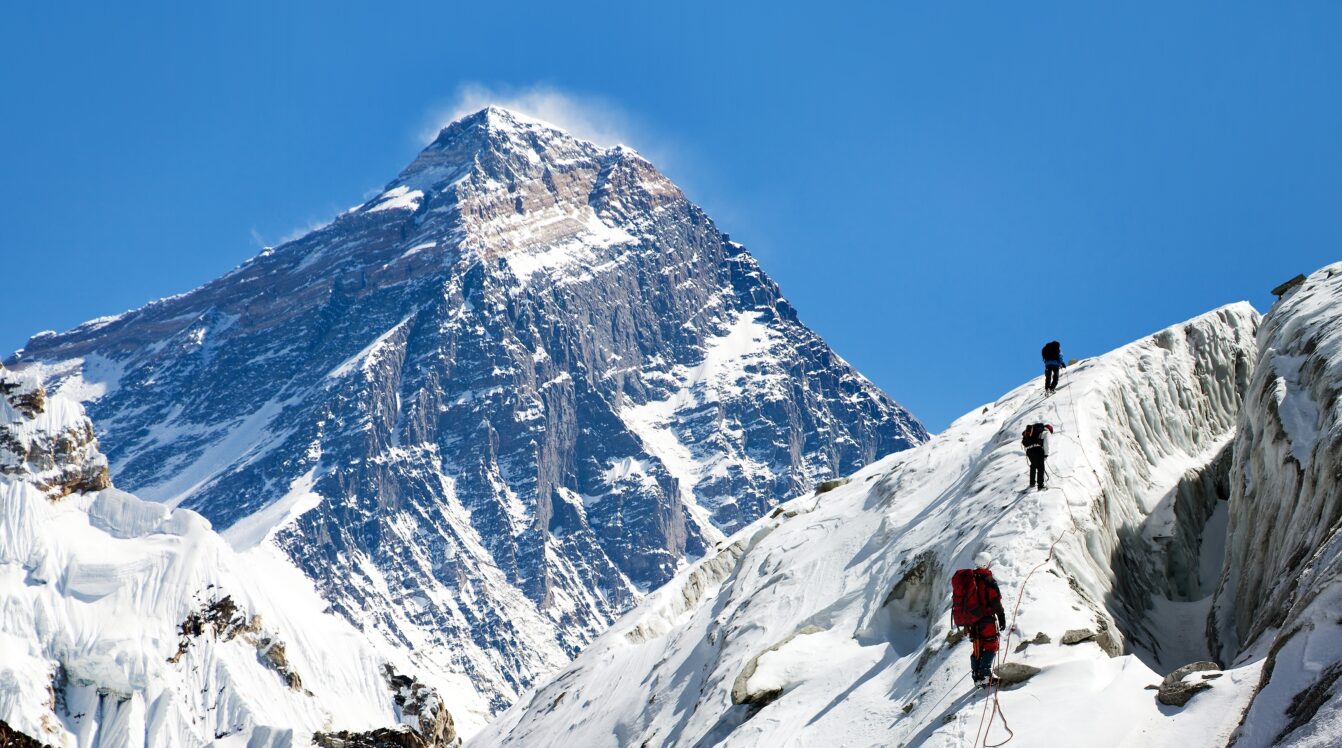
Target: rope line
x,y
994,688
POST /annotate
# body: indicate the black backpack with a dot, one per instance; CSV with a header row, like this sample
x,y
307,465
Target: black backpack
x,y
1052,351
1033,436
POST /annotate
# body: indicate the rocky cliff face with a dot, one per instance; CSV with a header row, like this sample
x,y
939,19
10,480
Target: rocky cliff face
x,y
487,410
1281,595
44,443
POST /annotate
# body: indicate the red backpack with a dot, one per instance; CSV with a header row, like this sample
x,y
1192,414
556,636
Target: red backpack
x,y
969,598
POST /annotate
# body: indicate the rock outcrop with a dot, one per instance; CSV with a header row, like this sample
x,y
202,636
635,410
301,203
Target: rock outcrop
x,y
1011,673
221,619
1177,688
58,461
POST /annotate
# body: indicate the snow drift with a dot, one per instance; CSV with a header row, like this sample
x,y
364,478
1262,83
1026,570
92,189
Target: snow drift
x,y
126,623
826,622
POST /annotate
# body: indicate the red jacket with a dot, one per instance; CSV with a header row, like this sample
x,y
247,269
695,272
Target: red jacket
x,y
985,632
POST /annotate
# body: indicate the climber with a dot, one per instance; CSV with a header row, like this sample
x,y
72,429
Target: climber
x,y
976,607
1052,363
1035,441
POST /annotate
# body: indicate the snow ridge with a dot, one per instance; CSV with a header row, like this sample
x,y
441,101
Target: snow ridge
x,y
825,622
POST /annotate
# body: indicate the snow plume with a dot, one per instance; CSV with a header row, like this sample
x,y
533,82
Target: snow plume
x,y
587,117
297,232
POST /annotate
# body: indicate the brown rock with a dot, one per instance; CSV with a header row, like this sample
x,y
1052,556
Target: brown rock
x,y
1076,636
1174,691
11,738
1014,672
830,485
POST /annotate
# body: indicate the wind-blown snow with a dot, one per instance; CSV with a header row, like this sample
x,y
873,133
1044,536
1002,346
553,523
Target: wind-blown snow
x,y
841,600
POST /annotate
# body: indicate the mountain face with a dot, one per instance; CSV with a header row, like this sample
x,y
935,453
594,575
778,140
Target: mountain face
x,y
487,410
827,621
126,623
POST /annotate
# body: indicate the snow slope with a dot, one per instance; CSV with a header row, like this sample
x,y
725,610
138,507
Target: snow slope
x,y
126,623
825,623
1281,596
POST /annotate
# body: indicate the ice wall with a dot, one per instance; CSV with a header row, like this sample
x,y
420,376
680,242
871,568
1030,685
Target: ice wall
x,y
1281,595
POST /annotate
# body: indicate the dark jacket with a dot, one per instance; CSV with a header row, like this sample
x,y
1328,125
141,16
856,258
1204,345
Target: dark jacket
x,y
1052,355
1039,440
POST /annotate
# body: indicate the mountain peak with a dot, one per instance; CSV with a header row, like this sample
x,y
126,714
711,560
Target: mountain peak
x,y
497,121
524,384
502,142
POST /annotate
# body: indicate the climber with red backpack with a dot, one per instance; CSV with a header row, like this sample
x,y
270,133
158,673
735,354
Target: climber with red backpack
x,y
976,607
1035,441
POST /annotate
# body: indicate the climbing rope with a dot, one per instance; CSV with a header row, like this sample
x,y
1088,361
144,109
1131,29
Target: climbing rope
x,y
982,732
997,712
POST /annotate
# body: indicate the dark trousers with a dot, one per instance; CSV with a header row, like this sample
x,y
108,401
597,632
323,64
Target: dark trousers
x,y
1051,378
981,663
1036,457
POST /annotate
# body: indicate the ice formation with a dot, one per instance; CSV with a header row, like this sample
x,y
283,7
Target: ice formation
x,y
126,623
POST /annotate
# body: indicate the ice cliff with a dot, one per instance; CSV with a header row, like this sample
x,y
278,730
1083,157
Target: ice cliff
x,y
126,623
1281,597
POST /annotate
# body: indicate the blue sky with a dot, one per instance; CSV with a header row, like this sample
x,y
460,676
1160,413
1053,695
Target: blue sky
x,y
938,187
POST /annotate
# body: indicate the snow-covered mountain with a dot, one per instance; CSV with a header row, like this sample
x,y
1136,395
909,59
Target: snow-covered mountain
x,y
487,410
826,622
126,623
